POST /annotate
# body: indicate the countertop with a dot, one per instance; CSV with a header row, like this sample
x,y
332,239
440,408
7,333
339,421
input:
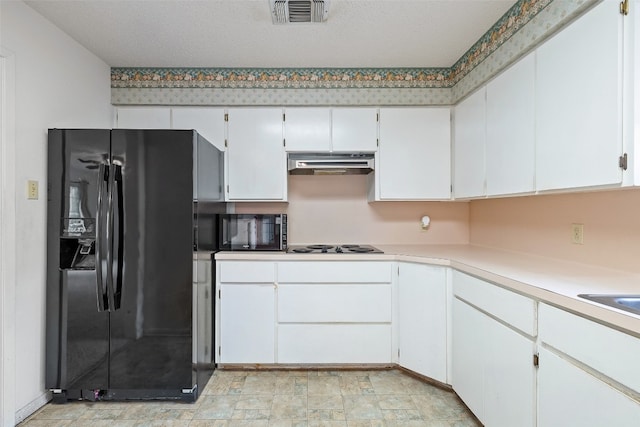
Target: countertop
x,y
544,279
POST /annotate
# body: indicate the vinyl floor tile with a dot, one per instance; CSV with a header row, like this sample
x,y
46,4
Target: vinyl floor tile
x,y
280,398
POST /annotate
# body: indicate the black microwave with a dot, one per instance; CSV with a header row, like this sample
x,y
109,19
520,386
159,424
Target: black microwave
x,y
252,232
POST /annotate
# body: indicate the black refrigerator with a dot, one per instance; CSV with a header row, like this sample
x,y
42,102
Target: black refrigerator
x,y
131,228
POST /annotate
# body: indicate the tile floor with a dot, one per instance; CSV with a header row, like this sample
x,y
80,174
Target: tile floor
x,y
283,399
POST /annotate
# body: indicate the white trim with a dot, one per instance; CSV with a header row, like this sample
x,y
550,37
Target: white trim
x,y
8,240
32,407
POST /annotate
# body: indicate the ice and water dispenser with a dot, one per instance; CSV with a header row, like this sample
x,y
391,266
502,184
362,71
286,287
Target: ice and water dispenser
x,y
78,239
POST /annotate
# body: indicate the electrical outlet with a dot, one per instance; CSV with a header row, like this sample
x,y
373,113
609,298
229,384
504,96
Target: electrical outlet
x,y
577,234
32,190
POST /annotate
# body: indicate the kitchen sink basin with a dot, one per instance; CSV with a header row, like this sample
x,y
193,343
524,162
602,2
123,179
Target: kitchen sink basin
x,y
630,303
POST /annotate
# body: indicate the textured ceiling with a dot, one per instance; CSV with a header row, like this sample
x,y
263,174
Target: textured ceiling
x,y
239,33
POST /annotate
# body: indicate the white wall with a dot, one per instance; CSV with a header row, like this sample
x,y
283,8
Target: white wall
x,y
58,83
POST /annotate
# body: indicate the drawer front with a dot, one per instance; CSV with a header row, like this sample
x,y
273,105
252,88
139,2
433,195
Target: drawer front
x,y
514,309
334,344
334,272
611,352
247,272
334,303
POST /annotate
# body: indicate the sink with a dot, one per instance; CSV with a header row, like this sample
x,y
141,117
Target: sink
x,y
630,303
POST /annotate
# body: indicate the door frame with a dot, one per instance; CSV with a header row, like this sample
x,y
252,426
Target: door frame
x,y
8,238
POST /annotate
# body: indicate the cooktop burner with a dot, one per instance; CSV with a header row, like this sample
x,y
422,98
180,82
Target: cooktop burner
x,y
334,249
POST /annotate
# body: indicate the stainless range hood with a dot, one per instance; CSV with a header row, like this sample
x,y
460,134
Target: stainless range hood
x,y
330,163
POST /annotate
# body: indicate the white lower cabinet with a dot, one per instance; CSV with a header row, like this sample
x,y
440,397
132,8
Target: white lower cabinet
x,y
587,372
493,370
334,312
422,319
570,396
247,318
466,360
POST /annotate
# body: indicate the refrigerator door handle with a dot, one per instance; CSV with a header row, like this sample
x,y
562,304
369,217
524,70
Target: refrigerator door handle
x,y
120,246
110,237
100,289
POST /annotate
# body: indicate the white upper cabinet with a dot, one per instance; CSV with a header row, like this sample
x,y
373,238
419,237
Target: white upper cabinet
x,y
469,146
579,103
510,141
308,129
414,157
209,122
324,130
256,160
354,129
143,118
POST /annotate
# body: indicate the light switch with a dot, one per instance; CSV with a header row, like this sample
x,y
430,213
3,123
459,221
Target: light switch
x,y
32,190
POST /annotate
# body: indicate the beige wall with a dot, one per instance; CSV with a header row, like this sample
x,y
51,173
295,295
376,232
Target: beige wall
x,y
334,209
542,225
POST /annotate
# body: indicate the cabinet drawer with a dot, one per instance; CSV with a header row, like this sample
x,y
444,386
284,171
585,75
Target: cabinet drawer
x,y
247,272
334,303
514,309
334,272
611,352
334,344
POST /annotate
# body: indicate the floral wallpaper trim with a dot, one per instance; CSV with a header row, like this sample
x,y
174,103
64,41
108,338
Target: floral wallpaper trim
x,y
289,97
333,78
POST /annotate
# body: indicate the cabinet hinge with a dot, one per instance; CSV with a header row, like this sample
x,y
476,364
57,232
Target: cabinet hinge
x,y
227,188
220,351
206,350
378,142
398,270
536,360
398,353
622,162
226,117
377,117
284,117
226,143
624,7
284,142
219,293
206,294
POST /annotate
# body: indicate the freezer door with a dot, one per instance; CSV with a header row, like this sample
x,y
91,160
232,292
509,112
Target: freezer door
x,y
77,329
151,327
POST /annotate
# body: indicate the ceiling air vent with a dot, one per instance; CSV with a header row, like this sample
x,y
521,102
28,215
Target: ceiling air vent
x,y
299,11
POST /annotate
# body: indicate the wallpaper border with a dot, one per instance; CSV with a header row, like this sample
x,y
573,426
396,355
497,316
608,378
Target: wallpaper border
x,y
334,78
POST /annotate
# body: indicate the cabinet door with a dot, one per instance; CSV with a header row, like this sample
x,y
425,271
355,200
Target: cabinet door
x,y
143,118
308,129
414,153
354,129
510,144
209,122
422,320
256,160
247,323
469,146
508,377
467,349
579,103
567,395
492,369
